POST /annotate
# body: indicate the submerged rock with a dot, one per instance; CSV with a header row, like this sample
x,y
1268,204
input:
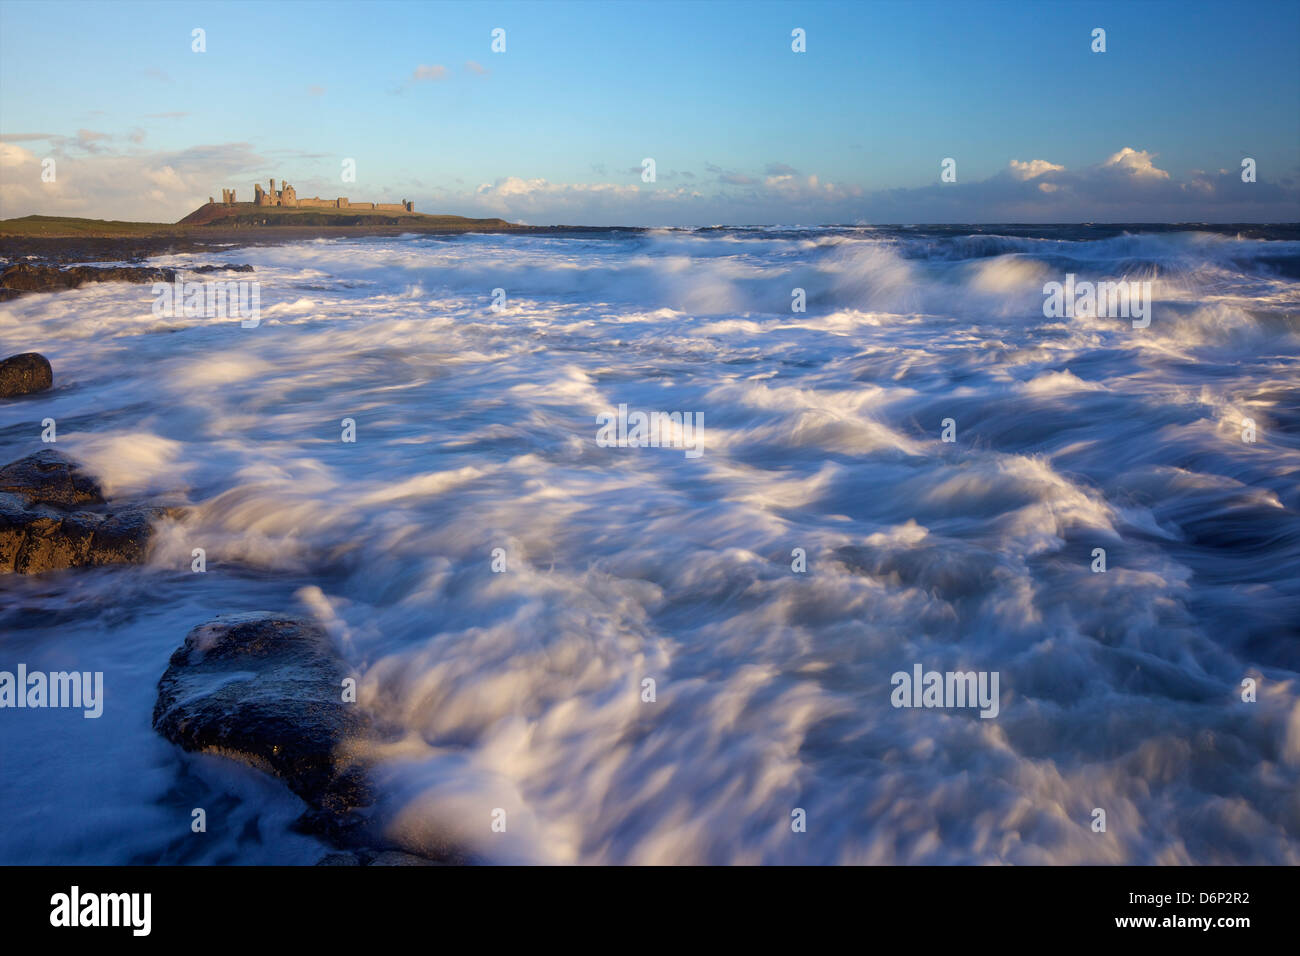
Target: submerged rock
x,y
45,524
267,690
24,374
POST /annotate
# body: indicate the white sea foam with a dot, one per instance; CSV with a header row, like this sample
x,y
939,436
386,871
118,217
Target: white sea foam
x,y
521,690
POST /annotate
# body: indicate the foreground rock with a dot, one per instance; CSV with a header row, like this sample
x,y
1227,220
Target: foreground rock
x,y
24,374
24,277
267,690
47,478
51,519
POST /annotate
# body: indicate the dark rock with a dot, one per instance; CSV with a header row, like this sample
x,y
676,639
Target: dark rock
x,y
267,690
55,542
47,478
123,537
339,859
228,267
23,277
40,531
369,857
25,373
396,858
13,531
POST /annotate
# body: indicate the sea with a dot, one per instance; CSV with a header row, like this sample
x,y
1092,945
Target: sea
x,y
602,651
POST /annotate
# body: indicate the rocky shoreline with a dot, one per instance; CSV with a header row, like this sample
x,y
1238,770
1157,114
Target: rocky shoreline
x,y
45,263
267,690
24,277
136,248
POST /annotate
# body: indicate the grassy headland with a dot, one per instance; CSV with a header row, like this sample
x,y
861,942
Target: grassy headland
x,y
62,239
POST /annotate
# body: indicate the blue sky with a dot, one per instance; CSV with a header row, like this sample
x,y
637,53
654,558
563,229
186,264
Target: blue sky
x,y
741,128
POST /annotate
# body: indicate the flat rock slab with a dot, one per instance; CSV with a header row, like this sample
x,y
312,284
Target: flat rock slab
x,y
24,374
267,690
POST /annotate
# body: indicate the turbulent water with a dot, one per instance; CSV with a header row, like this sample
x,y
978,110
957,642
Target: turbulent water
x,y
522,690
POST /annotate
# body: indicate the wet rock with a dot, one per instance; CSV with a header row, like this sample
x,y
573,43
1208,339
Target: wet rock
x,y
24,277
397,858
24,374
123,537
369,857
48,478
228,267
267,690
38,540
45,524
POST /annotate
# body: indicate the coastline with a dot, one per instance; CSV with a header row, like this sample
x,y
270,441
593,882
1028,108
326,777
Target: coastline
x,y
125,245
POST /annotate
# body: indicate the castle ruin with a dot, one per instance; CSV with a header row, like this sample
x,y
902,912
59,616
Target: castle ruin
x,y
286,196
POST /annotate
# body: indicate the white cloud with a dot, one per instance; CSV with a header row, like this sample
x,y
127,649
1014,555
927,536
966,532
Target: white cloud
x,y
150,187
1033,169
513,196
1135,162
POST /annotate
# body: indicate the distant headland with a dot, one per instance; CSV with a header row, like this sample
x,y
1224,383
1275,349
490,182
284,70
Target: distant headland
x,y
274,215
